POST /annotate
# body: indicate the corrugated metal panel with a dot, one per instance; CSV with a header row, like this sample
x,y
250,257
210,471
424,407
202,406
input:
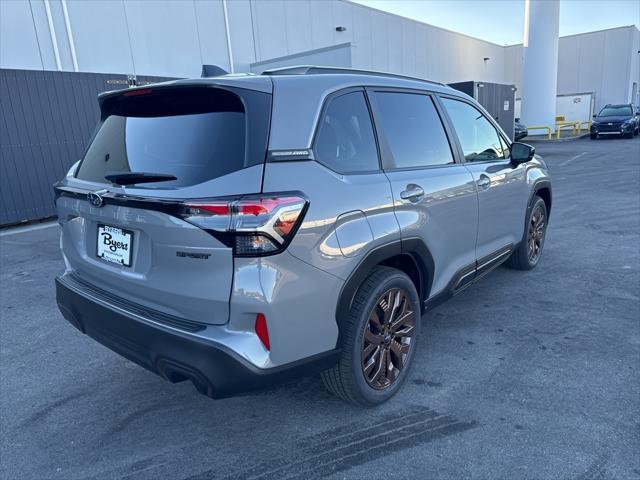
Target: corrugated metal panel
x,y
46,120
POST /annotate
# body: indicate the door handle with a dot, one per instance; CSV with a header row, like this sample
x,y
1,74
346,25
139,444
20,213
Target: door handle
x,y
412,193
484,181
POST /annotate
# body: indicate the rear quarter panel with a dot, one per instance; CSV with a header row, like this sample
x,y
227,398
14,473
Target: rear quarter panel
x,y
348,215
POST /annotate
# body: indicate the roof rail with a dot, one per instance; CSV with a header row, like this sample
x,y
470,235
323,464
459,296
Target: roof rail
x,y
318,70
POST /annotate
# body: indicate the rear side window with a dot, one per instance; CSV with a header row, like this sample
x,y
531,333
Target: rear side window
x,y
345,142
413,130
479,139
195,136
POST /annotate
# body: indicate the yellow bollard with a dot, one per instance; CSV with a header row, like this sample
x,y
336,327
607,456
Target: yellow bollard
x,y
542,127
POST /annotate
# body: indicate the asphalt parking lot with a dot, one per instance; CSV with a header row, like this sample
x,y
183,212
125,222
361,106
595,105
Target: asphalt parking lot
x,y
526,375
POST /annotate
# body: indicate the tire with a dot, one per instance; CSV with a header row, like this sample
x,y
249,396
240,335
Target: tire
x,y
593,136
521,258
351,378
628,135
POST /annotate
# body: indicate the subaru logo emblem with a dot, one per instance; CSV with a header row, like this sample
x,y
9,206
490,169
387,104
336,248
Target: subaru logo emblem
x,y
95,199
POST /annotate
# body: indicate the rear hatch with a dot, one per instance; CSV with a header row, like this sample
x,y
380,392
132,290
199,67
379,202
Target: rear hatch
x,y
134,241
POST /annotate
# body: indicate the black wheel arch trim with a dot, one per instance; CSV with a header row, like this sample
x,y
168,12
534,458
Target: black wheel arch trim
x,y
537,186
414,248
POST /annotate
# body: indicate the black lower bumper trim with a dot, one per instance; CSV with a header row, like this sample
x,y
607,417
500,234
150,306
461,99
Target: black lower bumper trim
x,y
215,370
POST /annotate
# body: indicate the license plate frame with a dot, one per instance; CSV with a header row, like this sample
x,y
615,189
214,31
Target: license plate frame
x,y
108,254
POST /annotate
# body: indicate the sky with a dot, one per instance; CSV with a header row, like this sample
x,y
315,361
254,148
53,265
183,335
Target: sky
x,y
478,17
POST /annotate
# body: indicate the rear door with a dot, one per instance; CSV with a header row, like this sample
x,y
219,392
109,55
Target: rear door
x,y
135,242
434,197
502,189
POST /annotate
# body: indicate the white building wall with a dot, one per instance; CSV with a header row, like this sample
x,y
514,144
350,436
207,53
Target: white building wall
x,y
175,37
634,70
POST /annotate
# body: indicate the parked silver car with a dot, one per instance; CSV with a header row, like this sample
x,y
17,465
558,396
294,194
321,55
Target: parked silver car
x,y
240,230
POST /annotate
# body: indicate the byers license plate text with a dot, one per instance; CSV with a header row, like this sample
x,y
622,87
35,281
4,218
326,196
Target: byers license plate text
x,y
114,245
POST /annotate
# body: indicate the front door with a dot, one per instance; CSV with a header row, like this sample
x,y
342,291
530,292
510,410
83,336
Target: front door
x,y
501,187
434,198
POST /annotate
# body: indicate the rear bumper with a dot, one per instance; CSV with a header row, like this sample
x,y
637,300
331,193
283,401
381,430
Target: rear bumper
x,y
175,355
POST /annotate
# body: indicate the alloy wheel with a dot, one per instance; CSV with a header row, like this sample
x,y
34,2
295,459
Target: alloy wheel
x,y
535,236
387,338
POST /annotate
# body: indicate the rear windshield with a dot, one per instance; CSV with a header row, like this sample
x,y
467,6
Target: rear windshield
x,y
195,135
615,111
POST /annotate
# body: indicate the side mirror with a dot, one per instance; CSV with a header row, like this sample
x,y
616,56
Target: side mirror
x,y
594,115
521,153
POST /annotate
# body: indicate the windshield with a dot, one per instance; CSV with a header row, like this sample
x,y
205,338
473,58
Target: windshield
x,y
622,111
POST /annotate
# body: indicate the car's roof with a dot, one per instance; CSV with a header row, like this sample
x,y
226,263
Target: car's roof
x,y
337,75
326,76
616,105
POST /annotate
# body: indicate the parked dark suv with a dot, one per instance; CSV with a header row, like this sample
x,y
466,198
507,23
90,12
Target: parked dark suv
x,y
519,130
238,230
623,120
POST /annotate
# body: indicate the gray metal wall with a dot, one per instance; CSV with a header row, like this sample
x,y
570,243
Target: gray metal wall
x,y
605,62
497,99
46,120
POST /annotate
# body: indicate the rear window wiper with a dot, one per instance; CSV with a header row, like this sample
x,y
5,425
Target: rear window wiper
x,y
131,178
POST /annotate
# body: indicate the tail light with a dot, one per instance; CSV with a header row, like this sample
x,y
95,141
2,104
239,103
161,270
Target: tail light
x,y
252,226
262,331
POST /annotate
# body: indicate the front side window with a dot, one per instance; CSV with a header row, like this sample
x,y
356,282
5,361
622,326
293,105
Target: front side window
x,y
345,142
479,139
413,130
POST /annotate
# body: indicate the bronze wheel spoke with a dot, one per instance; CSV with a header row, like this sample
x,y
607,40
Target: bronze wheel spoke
x,y
406,316
368,350
379,366
375,319
407,331
392,369
383,375
371,362
398,351
373,338
388,306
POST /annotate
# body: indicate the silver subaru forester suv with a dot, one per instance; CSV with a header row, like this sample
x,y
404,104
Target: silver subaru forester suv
x,y
237,231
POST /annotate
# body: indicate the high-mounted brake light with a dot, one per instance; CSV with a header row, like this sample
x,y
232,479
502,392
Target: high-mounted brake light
x,y
137,91
253,226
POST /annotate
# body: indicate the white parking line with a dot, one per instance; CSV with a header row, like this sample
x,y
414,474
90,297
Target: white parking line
x,y
575,157
27,228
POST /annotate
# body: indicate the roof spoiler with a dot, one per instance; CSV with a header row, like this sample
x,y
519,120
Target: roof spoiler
x,y
212,71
